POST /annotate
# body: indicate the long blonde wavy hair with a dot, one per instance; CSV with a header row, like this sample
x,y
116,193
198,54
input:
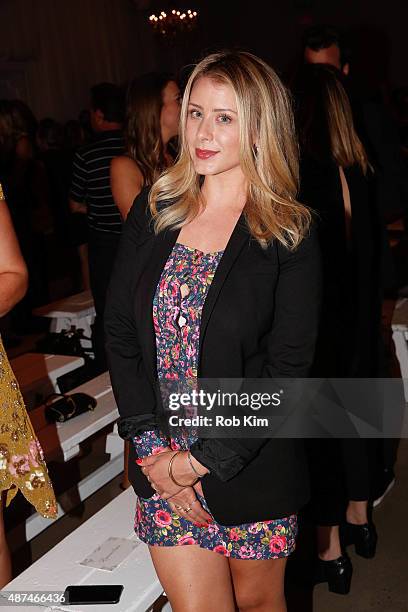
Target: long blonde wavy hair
x,y
271,169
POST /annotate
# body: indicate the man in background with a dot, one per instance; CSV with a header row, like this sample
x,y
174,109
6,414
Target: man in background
x,y
91,195
325,45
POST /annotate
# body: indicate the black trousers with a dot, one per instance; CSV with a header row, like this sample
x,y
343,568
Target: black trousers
x,y
101,252
340,470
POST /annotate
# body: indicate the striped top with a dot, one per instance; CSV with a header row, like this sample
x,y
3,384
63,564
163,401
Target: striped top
x,y
91,181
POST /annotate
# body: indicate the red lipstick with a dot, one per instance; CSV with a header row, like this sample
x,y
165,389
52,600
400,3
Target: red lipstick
x,y
205,153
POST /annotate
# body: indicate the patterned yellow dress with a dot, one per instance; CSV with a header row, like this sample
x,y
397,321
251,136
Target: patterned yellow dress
x,y
22,463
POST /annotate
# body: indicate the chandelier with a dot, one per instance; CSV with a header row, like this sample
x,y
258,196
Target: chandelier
x,y
173,22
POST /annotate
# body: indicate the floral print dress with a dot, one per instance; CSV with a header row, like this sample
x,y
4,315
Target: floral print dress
x,y
177,308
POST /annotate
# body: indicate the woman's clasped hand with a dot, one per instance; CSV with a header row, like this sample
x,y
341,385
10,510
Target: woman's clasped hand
x,y
182,499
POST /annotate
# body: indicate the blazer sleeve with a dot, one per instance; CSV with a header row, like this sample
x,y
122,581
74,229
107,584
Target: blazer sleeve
x,y
290,347
134,393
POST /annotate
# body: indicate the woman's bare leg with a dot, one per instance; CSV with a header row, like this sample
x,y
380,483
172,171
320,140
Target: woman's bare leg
x,y
357,512
194,579
259,585
328,542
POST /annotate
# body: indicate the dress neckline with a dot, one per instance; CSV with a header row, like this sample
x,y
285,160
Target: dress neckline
x,y
193,250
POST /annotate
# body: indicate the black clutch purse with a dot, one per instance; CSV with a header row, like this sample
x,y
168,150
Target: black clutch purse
x,y
68,406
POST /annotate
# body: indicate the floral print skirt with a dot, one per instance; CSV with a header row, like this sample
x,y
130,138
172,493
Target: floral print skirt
x,y
157,525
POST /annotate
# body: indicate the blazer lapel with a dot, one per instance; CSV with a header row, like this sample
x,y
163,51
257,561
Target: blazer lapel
x,y
163,245
239,237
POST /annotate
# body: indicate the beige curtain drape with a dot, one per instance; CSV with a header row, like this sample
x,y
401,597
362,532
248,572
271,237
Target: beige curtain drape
x,y
63,47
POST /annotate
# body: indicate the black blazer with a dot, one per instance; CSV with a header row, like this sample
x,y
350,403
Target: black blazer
x,y
259,319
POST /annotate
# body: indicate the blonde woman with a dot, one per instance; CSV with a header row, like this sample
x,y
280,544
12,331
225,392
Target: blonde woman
x,y
217,276
22,464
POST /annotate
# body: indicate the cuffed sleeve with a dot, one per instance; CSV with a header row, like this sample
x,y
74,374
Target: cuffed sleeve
x,y
131,426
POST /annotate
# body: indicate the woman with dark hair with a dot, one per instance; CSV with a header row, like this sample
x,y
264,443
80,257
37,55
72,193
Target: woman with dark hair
x,y
337,180
152,117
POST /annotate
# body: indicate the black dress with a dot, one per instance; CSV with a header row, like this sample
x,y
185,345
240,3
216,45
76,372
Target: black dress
x,y
349,341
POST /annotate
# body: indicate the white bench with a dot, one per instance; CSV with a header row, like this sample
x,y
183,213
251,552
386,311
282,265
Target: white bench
x,y
61,565
38,373
76,311
61,441
400,336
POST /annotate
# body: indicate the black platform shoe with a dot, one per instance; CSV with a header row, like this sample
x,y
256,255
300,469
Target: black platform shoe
x,y
364,538
336,573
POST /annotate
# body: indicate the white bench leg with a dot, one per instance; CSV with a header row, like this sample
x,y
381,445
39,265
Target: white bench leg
x,y
401,350
85,323
114,444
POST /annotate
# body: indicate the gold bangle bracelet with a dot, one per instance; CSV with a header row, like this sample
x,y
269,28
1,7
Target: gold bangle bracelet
x,y
2,197
170,470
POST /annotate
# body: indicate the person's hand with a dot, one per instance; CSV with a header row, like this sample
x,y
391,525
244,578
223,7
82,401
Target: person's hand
x,y
184,470
156,470
157,450
198,488
161,449
187,506
182,500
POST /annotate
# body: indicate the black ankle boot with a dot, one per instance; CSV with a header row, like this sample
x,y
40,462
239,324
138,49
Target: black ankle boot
x,y
364,538
336,573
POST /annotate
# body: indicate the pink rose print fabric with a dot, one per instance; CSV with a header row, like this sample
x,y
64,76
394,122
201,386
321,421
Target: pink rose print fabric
x,y
157,525
177,307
